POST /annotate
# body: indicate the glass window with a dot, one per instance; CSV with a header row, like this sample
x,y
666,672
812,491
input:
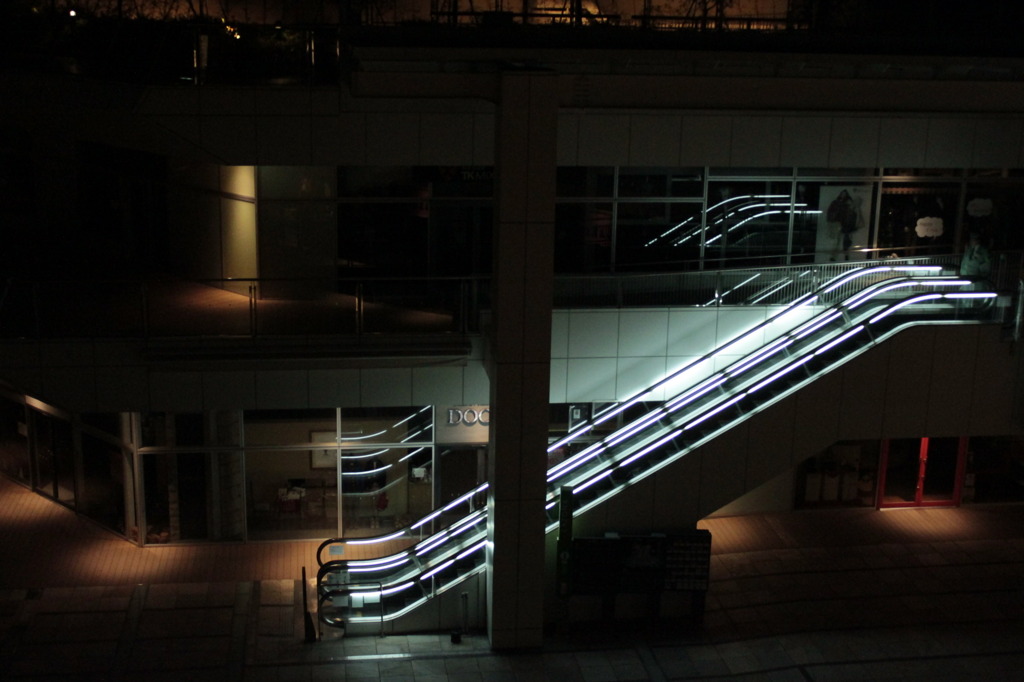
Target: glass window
x,y
383,239
289,427
191,429
107,422
583,237
416,182
54,451
918,219
582,181
832,221
995,470
657,236
14,459
104,472
384,488
297,182
387,425
460,238
748,223
193,496
293,493
992,211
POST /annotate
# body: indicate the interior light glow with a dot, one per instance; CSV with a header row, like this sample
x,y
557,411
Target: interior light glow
x,y
712,413
652,446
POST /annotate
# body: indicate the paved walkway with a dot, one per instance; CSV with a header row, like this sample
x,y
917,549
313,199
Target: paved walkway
x,y
910,595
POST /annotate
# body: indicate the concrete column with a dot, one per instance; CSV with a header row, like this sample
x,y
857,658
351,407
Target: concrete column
x,y
520,356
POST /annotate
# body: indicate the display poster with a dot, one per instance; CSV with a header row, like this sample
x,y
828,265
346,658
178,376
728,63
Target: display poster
x,y
843,222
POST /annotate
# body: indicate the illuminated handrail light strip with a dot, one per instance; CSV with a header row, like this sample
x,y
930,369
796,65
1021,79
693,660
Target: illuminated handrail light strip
x,y
596,479
574,462
801,301
431,542
380,567
472,549
383,593
373,541
685,398
639,424
438,569
857,298
380,560
903,304
776,289
783,372
815,325
971,294
653,446
769,350
457,501
694,393
411,454
838,340
712,413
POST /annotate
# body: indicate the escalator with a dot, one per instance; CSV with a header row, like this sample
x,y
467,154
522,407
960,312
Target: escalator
x,y
813,335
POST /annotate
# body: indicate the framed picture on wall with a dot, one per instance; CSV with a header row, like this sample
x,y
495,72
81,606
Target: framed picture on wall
x,y
322,458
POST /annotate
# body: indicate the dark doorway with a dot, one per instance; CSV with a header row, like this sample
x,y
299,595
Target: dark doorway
x,y
920,472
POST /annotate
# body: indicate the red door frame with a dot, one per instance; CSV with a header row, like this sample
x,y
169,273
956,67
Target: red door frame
x,y
922,458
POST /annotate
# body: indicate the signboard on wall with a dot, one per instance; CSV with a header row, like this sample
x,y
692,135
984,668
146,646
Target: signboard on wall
x,y
462,424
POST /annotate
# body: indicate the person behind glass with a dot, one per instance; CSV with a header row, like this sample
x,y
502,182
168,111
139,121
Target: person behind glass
x,y
976,263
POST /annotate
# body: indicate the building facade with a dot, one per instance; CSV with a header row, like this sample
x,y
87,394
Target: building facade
x,y
257,311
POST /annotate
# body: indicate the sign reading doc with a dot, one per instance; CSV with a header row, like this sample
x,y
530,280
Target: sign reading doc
x,y
463,424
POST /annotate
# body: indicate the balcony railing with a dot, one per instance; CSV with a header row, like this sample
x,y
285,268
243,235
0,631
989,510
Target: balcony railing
x,y
350,309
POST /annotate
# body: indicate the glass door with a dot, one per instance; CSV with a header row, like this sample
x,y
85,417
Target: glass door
x,y
920,472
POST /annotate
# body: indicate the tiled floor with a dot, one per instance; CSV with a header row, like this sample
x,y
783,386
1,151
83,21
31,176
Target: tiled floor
x,y
833,595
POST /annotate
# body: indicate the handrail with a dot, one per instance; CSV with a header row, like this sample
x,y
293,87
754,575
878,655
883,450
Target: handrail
x,y
836,334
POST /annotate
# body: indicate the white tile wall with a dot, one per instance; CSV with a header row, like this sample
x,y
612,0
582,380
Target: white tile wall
x,y
950,142
387,386
805,141
854,142
229,390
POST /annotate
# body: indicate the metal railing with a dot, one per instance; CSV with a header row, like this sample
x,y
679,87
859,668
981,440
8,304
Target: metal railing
x,y
239,308
165,308
845,323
